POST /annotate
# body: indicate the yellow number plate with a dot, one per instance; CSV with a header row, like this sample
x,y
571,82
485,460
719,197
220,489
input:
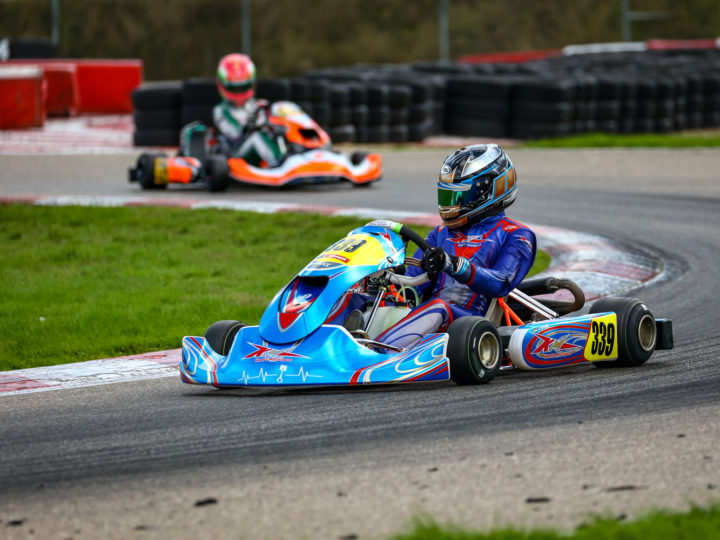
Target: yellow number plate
x,y
602,341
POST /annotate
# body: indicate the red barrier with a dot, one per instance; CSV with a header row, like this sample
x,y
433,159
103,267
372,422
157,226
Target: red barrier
x,y
104,86
22,95
63,95
511,57
666,44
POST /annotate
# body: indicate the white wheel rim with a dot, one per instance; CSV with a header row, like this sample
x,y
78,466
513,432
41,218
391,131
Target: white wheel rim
x,y
488,350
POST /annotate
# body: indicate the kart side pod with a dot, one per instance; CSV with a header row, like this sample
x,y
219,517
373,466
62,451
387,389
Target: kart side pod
x,y
625,336
563,342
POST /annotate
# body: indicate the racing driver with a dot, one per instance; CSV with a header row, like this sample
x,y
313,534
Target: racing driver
x,y
477,254
240,118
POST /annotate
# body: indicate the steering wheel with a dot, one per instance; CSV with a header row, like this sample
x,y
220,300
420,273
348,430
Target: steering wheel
x,y
408,235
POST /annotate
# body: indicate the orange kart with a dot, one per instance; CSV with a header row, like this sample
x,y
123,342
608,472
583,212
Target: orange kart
x,y
309,159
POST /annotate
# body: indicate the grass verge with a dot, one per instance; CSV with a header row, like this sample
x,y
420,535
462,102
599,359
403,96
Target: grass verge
x,y
638,140
697,524
81,283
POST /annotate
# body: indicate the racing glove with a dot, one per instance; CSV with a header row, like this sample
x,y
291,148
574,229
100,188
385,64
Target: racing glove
x,y
435,259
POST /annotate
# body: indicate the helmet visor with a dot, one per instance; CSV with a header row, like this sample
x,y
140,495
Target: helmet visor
x,y
450,197
237,88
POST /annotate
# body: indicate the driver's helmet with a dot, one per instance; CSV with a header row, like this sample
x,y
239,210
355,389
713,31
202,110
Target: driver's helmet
x,y
475,182
236,78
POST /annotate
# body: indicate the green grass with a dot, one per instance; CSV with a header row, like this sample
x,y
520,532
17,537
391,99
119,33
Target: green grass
x,y
697,524
82,283
639,140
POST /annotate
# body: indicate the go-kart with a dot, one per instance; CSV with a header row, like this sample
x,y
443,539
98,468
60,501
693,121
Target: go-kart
x,y
531,329
308,158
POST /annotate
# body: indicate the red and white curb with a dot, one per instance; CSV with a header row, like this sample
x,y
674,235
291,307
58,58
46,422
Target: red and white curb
x,y
102,134
600,266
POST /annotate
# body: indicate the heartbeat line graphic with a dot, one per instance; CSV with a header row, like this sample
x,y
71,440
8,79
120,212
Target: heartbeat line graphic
x,y
264,375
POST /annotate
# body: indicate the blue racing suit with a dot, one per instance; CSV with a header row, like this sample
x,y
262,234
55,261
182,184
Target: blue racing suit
x,y
500,252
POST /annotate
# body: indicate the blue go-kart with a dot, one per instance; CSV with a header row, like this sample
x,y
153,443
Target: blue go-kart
x,y
529,329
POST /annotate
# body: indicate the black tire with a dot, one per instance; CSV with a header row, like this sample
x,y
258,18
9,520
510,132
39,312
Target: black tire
x,y
359,114
607,109
145,171
300,90
636,330
399,115
544,89
340,115
221,335
488,110
217,173
422,89
156,137
319,91
442,68
419,131
379,114
157,118
358,94
399,133
157,95
474,349
377,94
420,112
342,134
321,112
273,89
378,133
198,112
339,96
543,111
457,125
200,90
399,96
479,87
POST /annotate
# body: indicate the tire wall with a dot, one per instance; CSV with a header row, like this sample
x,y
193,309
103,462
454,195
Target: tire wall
x,y
622,92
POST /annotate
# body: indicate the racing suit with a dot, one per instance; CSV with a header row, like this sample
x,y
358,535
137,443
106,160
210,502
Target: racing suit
x,y
499,254
242,134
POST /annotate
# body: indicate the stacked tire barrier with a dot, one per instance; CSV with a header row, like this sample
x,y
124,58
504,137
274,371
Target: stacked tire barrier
x,y
157,113
352,105
625,92
199,97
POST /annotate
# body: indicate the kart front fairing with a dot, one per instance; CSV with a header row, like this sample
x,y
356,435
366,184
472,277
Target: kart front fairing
x,y
308,167
294,345
309,159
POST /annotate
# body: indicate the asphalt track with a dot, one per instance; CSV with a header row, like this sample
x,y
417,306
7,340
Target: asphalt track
x,y
160,459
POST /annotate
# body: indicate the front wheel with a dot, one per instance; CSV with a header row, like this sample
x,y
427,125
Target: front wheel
x,y
637,332
145,171
221,335
474,349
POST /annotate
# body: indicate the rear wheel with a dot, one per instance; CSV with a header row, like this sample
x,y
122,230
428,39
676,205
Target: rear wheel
x,y
474,349
637,332
217,173
221,335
